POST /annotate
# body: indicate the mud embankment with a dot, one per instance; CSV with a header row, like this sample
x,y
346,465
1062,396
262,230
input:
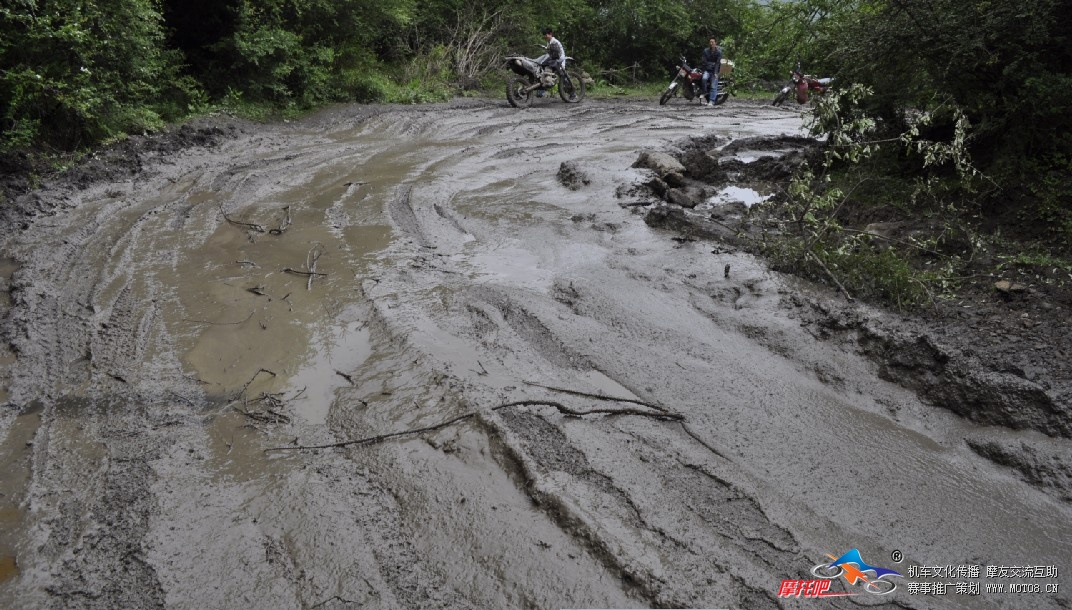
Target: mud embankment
x,y
999,360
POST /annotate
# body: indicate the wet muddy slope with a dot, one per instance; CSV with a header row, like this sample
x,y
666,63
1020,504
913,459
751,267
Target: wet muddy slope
x,y
636,421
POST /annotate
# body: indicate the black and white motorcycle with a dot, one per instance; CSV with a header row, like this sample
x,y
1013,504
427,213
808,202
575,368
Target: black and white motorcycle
x,y
532,77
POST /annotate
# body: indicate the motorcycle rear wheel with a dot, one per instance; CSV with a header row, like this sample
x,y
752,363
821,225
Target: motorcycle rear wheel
x,y
571,87
517,92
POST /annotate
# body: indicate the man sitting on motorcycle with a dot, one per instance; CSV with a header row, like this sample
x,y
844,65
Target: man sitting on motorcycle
x,y
712,63
555,52
553,58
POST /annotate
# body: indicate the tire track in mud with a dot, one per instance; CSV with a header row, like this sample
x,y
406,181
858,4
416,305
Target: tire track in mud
x,y
526,329
748,548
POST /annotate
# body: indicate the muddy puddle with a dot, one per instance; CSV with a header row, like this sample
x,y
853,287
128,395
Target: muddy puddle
x,y
274,311
736,194
16,452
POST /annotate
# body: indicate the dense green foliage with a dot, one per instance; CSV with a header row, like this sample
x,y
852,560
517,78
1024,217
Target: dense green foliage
x,y
965,112
989,80
74,72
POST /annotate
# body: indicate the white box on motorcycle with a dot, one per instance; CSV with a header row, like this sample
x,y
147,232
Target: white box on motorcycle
x,y
726,68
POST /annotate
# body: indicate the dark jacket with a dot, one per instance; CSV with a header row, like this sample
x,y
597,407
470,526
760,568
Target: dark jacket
x,y
712,59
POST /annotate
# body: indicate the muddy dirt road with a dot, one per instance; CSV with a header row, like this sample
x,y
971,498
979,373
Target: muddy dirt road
x,y
361,273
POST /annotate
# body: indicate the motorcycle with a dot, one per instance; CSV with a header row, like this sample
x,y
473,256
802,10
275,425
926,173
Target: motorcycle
x,y
802,84
535,78
689,82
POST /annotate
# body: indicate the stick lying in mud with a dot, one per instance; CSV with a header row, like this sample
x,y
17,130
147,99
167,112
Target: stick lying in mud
x,y
283,226
521,403
242,392
831,274
249,225
597,396
310,263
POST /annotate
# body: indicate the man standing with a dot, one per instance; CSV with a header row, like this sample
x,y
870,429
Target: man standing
x,y
712,63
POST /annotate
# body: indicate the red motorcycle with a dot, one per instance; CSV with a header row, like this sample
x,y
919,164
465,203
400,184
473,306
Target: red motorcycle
x,y
689,82
802,84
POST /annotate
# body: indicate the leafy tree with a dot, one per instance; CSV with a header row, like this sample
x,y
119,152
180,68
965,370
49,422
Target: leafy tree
x,y
1003,67
74,72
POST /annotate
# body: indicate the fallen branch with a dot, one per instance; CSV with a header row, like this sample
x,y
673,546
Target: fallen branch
x,y
284,225
521,403
310,262
249,225
268,416
596,396
831,274
242,392
308,273
696,437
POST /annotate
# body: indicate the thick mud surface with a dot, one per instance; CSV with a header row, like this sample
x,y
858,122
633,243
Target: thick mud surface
x,y
370,271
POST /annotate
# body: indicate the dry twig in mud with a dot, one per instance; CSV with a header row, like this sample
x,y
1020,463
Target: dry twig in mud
x,y
117,377
272,403
252,226
563,409
299,272
242,392
596,396
331,599
283,226
831,274
182,398
310,263
267,416
345,376
696,437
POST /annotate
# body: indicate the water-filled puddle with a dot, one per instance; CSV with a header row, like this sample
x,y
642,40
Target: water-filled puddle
x,y
336,352
749,197
260,313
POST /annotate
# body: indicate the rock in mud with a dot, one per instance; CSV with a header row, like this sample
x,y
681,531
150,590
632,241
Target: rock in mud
x,y
657,186
572,177
674,219
674,179
1007,287
661,163
682,197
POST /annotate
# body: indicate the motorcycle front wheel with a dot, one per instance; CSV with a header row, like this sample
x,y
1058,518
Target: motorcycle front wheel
x,y
670,92
781,97
517,92
571,87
